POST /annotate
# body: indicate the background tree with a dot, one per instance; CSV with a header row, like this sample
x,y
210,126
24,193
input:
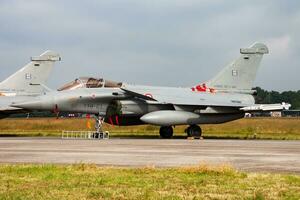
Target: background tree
x,y
265,97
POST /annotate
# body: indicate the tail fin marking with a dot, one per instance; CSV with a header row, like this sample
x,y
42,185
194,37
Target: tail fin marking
x,y
30,79
240,74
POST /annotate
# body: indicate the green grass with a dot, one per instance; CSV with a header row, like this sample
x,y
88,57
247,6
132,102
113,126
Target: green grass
x,y
250,128
88,181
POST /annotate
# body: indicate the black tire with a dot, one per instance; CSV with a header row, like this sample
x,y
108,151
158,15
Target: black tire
x,y
166,132
188,131
194,131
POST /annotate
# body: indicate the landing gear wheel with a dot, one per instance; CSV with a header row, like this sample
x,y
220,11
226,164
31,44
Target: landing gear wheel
x,y
194,131
166,131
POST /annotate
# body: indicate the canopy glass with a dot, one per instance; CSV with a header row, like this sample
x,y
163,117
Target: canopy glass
x,y
89,82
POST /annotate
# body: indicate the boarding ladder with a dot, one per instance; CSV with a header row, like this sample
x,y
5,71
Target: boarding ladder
x,y
91,135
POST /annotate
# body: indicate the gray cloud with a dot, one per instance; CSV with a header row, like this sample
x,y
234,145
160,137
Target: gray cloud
x,y
166,42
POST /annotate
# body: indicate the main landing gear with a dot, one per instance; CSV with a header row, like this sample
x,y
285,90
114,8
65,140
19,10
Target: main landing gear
x,y
166,132
194,131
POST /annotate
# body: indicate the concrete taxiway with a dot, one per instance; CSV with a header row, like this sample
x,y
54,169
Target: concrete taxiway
x,y
248,155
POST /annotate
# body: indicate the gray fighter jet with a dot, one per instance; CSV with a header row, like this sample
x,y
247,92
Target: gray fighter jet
x,y
27,83
226,97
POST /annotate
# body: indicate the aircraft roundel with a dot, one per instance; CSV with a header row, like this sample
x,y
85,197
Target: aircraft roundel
x,y
149,95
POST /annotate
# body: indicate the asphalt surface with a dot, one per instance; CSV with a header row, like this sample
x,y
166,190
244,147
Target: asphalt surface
x,y
247,155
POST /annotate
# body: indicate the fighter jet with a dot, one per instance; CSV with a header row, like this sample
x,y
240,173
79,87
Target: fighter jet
x,y
27,83
226,97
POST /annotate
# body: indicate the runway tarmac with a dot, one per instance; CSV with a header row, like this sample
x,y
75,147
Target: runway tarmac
x,y
248,155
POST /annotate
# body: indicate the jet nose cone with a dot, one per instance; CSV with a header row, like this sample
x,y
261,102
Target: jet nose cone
x,y
30,105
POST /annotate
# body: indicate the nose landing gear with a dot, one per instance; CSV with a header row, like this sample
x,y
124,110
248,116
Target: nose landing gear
x,y
99,133
194,131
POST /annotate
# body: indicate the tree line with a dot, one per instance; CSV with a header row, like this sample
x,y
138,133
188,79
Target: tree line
x,y
266,97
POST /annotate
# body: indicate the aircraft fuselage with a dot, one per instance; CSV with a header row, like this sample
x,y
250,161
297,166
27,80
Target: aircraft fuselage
x,y
112,102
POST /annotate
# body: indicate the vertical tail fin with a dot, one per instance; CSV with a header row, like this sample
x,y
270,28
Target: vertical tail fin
x,y
30,79
240,74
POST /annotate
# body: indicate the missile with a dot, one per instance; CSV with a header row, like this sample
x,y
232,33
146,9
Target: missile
x,y
170,117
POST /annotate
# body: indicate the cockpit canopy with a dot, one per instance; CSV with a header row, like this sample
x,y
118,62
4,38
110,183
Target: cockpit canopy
x,y
89,82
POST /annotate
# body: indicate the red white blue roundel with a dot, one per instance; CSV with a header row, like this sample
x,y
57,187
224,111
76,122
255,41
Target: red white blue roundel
x,y
149,95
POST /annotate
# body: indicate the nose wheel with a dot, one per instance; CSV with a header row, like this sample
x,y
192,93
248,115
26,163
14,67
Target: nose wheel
x,y
194,131
99,133
166,132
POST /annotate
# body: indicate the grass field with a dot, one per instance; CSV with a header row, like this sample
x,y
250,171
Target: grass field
x,y
87,181
248,128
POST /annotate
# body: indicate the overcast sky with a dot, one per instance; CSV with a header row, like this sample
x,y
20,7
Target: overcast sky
x,y
153,42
